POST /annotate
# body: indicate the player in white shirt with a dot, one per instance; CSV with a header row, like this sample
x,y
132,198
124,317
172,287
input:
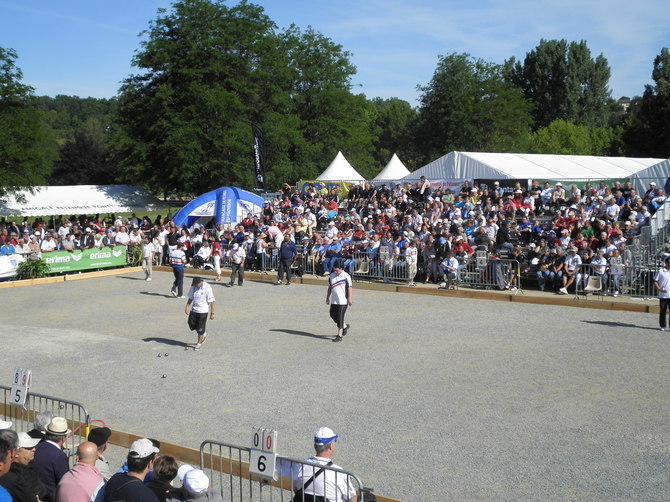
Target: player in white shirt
x,y
200,302
662,284
339,296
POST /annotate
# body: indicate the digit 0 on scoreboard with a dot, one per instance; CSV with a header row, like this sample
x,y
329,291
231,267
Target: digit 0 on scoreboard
x,y
269,440
257,437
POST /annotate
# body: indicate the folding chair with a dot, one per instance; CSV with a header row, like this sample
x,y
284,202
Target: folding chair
x,y
594,284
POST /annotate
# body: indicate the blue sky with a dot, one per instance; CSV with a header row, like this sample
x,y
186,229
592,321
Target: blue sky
x,y
84,47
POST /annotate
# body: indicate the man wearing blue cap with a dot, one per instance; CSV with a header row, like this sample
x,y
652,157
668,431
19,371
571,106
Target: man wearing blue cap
x,y
312,483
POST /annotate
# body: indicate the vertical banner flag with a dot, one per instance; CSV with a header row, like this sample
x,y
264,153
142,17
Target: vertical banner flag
x,y
259,168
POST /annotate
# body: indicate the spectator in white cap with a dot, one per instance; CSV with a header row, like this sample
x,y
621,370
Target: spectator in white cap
x,y
21,481
129,486
5,424
196,487
325,482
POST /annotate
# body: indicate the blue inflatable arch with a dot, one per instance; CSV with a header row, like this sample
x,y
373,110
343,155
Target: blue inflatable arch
x,y
225,204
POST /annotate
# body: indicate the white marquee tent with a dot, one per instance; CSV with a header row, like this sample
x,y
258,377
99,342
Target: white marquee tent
x,y
394,170
80,199
658,173
340,170
470,165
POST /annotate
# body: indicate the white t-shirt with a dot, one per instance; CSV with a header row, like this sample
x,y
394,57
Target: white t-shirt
x,y
122,238
662,277
411,255
339,287
201,298
148,250
334,486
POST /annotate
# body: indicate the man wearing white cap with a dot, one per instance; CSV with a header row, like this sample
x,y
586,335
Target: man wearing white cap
x,y
21,481
129,486
326,482
196,485
50,462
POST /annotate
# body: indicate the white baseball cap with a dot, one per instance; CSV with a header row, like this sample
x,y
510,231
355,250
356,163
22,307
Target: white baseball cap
x,y
324,436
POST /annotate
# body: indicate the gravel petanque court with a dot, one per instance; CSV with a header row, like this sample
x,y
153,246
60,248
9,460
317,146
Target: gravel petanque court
x,y
434,398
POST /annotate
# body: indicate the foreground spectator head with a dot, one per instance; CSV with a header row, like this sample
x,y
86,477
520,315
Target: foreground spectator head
x,y
196,482
57,430
87,453
26,451
165,468
99,437
12,439
140,455
324,439
181,472
5,456
40,423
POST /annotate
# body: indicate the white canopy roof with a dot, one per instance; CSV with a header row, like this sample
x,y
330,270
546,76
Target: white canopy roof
x,y
471,165
394,170
80,199
340,170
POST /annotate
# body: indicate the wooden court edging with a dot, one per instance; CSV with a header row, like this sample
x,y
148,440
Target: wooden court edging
x,y
475,294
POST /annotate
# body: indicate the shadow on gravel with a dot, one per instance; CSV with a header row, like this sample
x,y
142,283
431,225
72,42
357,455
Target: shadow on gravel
x,y
155,294
166,341
302,333
612,324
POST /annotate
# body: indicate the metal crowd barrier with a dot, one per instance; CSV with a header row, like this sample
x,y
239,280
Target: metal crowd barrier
x,y
22,418
227,467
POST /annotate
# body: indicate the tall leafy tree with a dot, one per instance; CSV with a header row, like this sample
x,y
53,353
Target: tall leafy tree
x,y
27,149
85,159
330,116
208,72
468,106
565,138
648,129
563,81
392,126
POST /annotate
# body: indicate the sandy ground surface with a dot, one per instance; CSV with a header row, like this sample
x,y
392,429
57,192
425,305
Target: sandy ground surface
x,y
434,398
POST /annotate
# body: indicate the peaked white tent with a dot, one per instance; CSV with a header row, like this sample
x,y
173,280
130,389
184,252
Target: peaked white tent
x,y
471,165
340,170
393,171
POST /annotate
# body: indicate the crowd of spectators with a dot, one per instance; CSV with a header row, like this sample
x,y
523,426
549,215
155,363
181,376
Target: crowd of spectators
x,y
419,227
34,466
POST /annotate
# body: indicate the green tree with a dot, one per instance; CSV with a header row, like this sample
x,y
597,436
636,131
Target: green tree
x,y
27,149
565,138
563,81
330,117
210,72
69,113
85,159
647,131
185,121
468,106
393,128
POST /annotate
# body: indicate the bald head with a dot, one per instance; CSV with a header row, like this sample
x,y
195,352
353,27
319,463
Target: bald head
x,y
87,453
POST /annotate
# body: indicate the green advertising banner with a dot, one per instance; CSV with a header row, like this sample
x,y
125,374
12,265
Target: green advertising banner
x,y
88,259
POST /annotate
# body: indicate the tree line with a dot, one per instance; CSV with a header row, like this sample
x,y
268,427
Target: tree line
x,y
207,72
